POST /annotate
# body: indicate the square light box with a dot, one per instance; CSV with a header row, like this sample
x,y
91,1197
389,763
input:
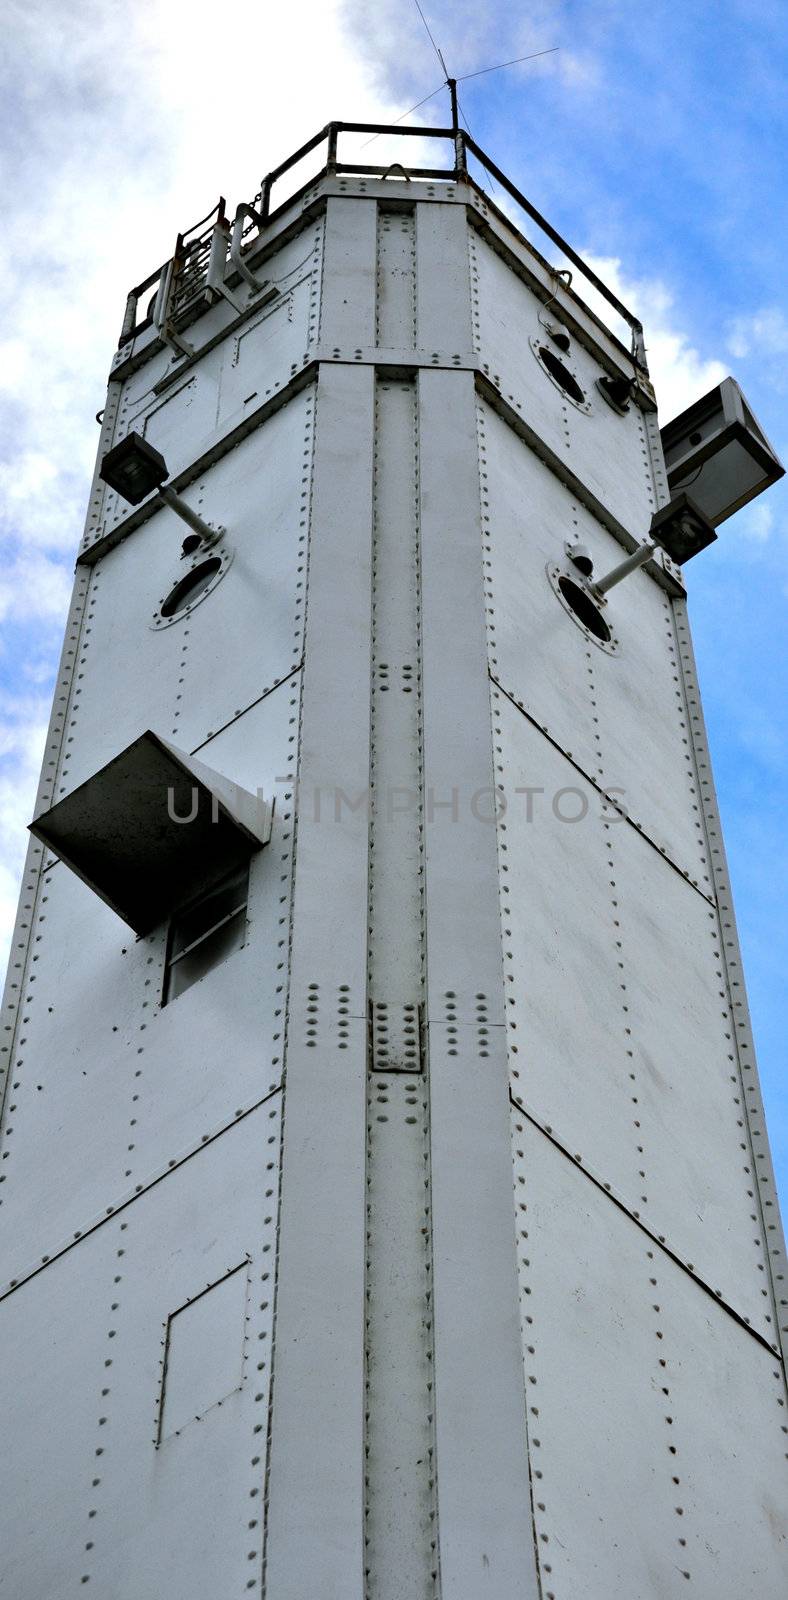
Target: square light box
x,y
719,453
153,829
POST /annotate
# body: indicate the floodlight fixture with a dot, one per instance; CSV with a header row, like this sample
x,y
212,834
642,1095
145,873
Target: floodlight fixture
x,y
680,529
135,468
718,449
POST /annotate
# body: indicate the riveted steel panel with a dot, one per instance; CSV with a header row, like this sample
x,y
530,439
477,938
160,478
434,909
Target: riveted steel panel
x,y
443,317
620,715
203,1352
262,349
607,451
54,1333
689,1093
618,1035
484,1526
184,406
643,726
347,310
99,1110
316,1526
85,1343
395,305
535,650
188,679
396,840
248,634
732,966
656,1430
399,1499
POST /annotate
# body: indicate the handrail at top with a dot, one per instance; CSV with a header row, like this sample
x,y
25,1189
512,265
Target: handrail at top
x,y
463,143
552,233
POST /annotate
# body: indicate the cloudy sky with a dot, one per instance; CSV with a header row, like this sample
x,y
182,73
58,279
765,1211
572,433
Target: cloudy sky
x,y
654,138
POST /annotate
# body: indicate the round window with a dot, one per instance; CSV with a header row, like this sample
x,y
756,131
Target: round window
x,y
191,586
561,375
582,606
579,603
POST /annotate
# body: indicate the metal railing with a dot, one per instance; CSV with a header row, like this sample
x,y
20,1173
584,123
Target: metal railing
x,y
198,264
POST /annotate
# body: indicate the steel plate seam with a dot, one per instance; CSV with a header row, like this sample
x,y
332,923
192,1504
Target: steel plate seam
x,y
293,778
582,1165
743,1042
495,752
400,1512
511,410
127,1199
282,392
600,789
486,1530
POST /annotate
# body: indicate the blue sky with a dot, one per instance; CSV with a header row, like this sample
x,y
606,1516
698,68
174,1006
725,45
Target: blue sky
x,y
654,139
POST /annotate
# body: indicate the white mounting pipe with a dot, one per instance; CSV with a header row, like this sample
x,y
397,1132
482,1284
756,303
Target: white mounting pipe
x,y
178,505
216,265
161,314
258,285
637,559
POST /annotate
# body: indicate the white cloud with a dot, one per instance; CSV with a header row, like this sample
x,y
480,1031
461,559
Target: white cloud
x,y
766,329
756,522
33,586
679,373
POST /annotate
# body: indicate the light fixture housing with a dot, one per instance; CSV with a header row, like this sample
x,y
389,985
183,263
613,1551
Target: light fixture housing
x,y
681,529
133,468
152,829
718,449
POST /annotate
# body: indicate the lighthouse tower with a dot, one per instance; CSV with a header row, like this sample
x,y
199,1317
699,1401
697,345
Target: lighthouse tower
x,y
385,1196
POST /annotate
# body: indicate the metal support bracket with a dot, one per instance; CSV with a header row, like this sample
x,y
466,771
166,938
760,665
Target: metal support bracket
x,y
259,286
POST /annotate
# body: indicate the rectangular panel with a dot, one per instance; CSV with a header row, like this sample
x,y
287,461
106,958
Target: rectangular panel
x,y
101,1108
689,1093
264,350
605,450
536,652
618,1034
187,676
247,635
395,310
655,1421
443,282
182,418
316,1534
618,711
644,726
347,312
485,1534
567,1041
396,838
204,1352
87,1496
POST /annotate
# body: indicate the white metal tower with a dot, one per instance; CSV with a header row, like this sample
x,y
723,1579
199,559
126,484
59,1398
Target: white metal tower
x,y
387,1211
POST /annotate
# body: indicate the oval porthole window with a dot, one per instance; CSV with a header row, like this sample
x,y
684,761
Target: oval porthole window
x,y
582,606
560,374
189,588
